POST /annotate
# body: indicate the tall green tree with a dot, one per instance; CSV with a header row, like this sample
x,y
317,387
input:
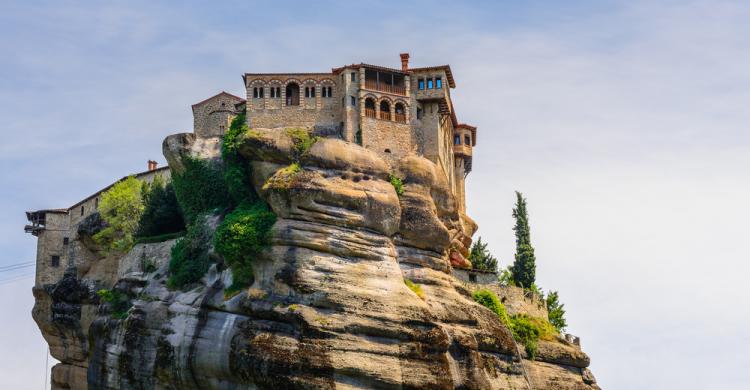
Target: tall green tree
x,y
556,311
481,258
121,208
162,213
524,266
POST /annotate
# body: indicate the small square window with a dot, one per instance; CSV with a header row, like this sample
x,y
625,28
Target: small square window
x,y
353,100
467,140
66,240
438,83
472,277
429,83
420,84
55,261
457,140
354,77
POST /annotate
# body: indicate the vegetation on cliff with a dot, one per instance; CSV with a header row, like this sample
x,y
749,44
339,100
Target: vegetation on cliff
x,y
397,184
242,235
161,216
117,302
120,208
524,267
190,259
417,289
526,330
556,311
209,188
200,188
481,258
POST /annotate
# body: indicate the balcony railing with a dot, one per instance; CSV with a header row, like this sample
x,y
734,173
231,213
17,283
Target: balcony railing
x,y
370,113
400,118
382,87
385,115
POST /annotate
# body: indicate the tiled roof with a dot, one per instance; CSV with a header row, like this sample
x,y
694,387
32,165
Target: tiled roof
x,y
363,65
217,95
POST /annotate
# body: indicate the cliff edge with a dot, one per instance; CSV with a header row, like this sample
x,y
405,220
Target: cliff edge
x,y
328,306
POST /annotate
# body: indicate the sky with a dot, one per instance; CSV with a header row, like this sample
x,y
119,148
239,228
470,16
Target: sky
x,y
624,124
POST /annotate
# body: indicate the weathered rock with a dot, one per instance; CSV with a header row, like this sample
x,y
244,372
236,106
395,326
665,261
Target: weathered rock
x,y
329,307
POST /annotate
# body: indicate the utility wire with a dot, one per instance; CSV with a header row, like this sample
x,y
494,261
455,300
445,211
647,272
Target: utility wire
x,y
15,278
17,264
15,267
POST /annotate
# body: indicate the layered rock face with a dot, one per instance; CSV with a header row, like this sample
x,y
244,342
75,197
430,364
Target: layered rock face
x,y
329,307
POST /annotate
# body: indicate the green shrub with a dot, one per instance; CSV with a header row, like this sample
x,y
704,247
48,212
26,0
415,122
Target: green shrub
x,y
481,258
190,259
236,169
120,208
506,278
241,236
397,184
200,188
302,140
119,303
162,214
283,178
529,330
417,289
556,311
489,300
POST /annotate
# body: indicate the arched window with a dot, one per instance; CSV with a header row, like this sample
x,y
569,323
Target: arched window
x,y
385,110
400,112
292,94
370,108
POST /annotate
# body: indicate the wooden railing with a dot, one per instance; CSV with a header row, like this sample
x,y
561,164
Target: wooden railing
x,y
370,112
400,118
382,87
385,115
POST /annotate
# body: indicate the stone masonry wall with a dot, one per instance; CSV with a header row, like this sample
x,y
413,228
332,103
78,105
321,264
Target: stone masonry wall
x,y
319,113
51,241
212,117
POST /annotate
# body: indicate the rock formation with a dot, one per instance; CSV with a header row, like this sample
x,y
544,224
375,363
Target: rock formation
x,y
328,307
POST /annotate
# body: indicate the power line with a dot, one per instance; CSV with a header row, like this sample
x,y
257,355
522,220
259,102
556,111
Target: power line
x,y
16,265
15,278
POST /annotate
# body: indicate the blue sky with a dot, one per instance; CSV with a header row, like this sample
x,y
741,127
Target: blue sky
x,y
624,124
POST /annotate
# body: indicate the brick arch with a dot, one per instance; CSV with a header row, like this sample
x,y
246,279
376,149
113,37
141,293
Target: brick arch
x,y
275,82
310,82
385,98
402,101
257,83
292,80
402,116
327,82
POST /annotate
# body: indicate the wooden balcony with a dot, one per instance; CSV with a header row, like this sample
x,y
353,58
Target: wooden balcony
x,y
370,113
385,115
462,150
401,118
383,87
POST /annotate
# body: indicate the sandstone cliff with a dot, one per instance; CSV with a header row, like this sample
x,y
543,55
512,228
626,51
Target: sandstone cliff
x,y
328,307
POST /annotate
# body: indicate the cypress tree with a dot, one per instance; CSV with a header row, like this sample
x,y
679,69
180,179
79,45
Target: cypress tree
x,y
524,266
481,258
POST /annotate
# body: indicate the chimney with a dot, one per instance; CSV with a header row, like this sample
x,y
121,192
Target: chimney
x,y
404,61
152,165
